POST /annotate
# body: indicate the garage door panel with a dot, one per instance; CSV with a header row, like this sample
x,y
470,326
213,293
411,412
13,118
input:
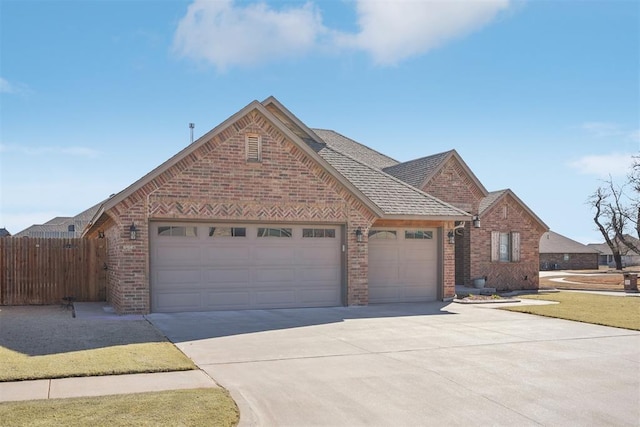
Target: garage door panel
x,y
226,255
384,293
386,274
328,274
275,298
229,300
274,275
229,272
419,292
226,276
177,254
326,255
166,278
318,297
273,255
178,301
419,254
403,269
383,254
418,273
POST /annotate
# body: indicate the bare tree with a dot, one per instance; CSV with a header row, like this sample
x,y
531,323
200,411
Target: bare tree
x,y
605,217
617,211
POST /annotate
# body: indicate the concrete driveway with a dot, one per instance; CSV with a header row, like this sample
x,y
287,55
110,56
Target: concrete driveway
x,y
414,364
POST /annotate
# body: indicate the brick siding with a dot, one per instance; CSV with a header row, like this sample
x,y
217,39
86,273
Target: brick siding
x,y
453,185
576,261
522,274
216,183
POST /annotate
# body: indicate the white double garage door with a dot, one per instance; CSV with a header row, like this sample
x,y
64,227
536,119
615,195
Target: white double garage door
x,y
203,267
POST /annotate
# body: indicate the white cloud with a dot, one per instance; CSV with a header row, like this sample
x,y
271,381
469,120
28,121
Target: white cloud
x,y
5,86
13,88
604,165
602,129
41,151
225,34
609,129
395,30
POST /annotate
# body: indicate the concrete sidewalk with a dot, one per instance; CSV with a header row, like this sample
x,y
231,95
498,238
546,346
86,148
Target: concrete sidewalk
x,y
103,385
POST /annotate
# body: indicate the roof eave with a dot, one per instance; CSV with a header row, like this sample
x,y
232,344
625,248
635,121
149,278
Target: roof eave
x,y
427,217
93,220
272,100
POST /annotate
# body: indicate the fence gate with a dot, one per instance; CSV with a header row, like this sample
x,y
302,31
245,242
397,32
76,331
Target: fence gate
x,y
43,271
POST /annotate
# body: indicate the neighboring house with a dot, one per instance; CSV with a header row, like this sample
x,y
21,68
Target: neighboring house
x,y
264,212
629,257
61,226
4,232
558,252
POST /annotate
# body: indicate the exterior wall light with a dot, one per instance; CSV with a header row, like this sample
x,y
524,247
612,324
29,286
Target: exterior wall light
x,y
100,234
359,235
451,236
133,231
476,221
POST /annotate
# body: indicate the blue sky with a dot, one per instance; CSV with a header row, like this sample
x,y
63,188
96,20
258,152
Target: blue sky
x,y
542,97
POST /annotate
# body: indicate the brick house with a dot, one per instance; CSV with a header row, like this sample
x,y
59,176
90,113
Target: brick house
x,y
264,212
501,243
558,252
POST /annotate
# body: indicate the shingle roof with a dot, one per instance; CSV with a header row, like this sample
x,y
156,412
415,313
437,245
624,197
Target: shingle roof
x,y
391,195
486,202
554,243
58,227
414,172
604,248
58,220
354,149
4,232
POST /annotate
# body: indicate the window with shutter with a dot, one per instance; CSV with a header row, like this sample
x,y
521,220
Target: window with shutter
x,y
515,246
505,247
253,147
495,246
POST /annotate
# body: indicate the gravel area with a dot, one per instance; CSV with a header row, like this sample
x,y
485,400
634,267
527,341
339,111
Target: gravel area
x,y
43,330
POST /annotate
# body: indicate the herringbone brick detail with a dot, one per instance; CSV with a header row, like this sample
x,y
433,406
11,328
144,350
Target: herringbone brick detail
x,y
251,211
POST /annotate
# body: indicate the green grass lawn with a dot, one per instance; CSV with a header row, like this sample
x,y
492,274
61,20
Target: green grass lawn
x,y
619,312
198,407
120,359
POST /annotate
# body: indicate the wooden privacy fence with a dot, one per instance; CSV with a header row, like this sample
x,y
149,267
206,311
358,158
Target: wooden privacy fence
x,y
43,271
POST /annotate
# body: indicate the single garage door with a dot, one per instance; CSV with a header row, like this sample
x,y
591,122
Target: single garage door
x,y
201,267
403,265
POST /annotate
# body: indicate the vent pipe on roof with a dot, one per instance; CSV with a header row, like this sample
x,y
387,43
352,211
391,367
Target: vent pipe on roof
x,y
191,126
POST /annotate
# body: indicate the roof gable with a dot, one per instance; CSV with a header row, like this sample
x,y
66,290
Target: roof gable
x,y
420,172
186,157
493,198
392,196
414,171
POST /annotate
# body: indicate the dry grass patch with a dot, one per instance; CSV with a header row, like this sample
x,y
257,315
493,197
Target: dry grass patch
x,y
619,312
198,407
123,359
590,282
46,342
